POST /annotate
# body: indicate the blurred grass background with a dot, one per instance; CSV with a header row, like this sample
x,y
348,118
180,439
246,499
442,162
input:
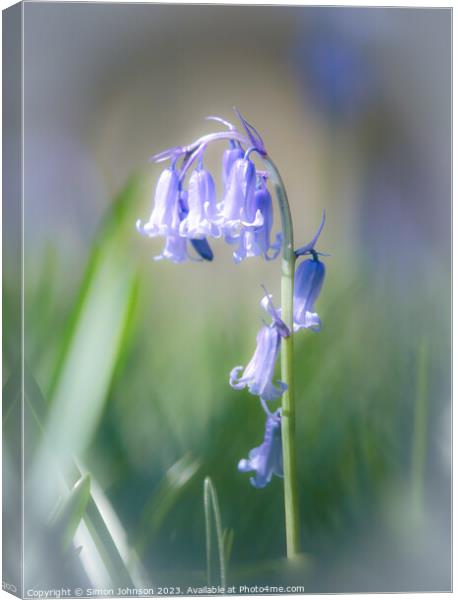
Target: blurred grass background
x,y
129,359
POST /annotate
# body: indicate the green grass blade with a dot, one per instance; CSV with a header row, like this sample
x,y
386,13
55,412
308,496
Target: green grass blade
x,y
72,510
228,542
93,344
165,497
110,237
37,408
211,506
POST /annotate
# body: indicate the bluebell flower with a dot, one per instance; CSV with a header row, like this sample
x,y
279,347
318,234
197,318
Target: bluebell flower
x,y
259,372
176,246
229,157
256,241
164,219
267,459
202,217
239,200
308,281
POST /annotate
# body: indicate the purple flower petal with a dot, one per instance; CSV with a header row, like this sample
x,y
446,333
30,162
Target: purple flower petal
x,y
175,249
267,459
255,240
229,157
165,217
308,281
203,249
203,217
252,133
258,374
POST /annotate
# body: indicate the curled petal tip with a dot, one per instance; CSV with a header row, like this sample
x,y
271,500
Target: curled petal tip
x,y
234,380
139,227
244,465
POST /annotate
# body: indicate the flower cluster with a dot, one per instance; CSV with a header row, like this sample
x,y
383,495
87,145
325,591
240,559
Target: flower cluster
x,y
186,211
186,208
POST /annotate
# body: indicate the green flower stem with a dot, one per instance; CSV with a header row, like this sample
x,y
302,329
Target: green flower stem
x,y
292,520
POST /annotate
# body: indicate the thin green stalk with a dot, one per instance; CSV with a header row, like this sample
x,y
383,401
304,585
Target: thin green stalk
x,y
292,520
211,502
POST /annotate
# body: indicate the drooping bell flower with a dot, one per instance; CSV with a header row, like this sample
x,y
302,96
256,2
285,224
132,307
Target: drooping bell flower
x,y
176,246
201,246
259,372
308,281
267,459
202,217
164,219
229,157
256,242
239,200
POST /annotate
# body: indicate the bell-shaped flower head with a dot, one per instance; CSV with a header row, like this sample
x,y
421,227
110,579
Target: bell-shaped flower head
x,y
229,157
308,282
259,372
267,459
239,201
164,219
176,246
256,242
202,217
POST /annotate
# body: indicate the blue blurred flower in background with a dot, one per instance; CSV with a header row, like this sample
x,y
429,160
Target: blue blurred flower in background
x,y
335,72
